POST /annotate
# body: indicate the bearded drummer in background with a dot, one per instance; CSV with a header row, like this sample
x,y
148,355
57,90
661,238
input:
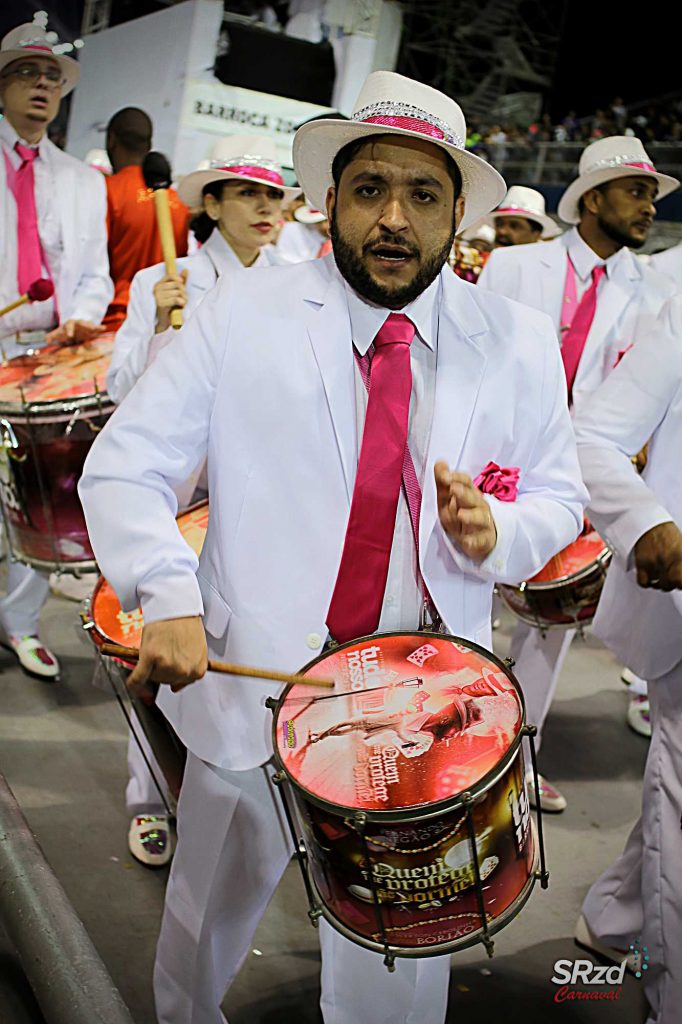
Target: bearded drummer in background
x,y
52,226
314,531
602,301
240,196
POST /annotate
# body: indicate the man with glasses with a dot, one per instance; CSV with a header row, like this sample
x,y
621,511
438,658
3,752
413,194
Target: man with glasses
x,y
52,225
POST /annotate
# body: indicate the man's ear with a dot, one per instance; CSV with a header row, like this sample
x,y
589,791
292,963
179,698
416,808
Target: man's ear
x,y
330,202
459,211
591,200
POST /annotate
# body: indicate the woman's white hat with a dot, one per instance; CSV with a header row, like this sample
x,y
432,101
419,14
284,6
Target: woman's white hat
x,y
394,105
30,40
617,156
244,157
308,214
529,203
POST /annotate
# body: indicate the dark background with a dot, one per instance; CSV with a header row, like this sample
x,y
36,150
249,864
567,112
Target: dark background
x,y
606,49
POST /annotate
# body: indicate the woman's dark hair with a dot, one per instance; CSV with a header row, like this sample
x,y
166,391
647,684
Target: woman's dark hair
x,y
202,225
351,150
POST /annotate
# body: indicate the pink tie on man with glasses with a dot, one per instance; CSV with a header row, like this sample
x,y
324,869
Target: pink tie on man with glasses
x,y
29,250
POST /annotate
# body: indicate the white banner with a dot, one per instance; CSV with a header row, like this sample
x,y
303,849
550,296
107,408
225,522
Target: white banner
x,y
228,110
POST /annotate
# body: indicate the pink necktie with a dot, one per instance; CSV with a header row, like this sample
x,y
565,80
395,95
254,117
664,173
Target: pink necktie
x,y
575,337
358,595
29,258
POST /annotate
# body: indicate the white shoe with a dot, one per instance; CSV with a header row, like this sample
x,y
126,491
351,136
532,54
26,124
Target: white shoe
x,y
34,657
586,939
551,799
73,588
149,840
638,715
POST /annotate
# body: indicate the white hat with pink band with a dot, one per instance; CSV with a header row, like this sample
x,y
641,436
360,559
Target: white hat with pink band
x,y
521,201
245,157
390,104
617,156
30,40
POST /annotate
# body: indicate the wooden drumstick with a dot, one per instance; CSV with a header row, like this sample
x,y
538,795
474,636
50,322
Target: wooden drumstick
x,y
133,654
157,176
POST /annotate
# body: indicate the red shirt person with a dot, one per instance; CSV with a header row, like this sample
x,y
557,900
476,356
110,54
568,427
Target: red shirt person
x,y
131,220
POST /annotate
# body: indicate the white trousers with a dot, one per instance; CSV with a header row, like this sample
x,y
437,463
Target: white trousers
x,y
142,794
538,663
233,847
27,592
640,896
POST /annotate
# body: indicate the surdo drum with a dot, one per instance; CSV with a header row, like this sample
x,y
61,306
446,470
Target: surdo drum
x,y
52,406
565,593
405,792
105,622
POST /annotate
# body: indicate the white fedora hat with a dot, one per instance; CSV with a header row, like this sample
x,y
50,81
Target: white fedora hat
x,y
482,230
394,105
526,202
617,156
30,40
244,157
308,214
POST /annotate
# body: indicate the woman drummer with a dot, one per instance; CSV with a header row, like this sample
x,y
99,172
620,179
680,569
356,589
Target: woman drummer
x,y
240,197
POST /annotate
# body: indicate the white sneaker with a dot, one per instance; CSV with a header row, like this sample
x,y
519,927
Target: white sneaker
x,y
149,840
638,715
551,799
34,657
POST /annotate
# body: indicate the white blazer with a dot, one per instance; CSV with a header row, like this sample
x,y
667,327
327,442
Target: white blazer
x,y
641,399
629,301
669,263
263,378
84,288
131,353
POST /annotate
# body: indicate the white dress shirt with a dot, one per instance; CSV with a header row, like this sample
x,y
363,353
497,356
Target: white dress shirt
x,y
403,599
35,315
584,260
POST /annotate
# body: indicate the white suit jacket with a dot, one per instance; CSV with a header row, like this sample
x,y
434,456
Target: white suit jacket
x,y
669,263
641,399
84,288
132,347
629,301
263,378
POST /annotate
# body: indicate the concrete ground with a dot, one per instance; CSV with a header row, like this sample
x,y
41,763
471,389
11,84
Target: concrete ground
x,y
62,750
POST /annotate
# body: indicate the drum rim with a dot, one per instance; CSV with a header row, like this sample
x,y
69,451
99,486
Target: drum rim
x,y
442,948
49,408
604,555
433,810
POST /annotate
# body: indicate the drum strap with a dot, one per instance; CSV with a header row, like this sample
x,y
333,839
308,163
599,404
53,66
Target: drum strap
x,y
413,497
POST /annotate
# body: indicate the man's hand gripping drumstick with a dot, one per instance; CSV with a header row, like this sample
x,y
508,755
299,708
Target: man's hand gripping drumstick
x,y
464,513
172,651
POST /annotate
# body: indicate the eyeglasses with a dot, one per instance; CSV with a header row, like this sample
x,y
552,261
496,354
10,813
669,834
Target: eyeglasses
x,y
30,74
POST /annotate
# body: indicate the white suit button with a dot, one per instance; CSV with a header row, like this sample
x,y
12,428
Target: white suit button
x,y
314,641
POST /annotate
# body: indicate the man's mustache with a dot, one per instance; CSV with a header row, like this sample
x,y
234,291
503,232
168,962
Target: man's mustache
x,y
408,247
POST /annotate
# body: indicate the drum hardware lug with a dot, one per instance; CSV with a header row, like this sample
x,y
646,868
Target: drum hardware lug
x,y
9,441
509,662
315,913
531,732
271,704
522,587
360,822
389,963
486,939
278,778
87,622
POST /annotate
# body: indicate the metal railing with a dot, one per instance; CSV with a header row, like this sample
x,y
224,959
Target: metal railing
x,y
556,163
68,978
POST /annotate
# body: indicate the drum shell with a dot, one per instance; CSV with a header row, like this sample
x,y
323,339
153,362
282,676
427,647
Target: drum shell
x,y
423,868
41,462
563,605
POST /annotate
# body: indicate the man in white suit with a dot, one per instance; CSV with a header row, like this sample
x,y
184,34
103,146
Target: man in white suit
x,y
640,619
272,392
669,262
52,225
611,204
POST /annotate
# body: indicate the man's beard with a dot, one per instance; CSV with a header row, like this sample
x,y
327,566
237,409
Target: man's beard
x,y
621,238
361,281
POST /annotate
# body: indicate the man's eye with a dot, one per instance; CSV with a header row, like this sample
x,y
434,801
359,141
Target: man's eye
x,y
424,197
368,191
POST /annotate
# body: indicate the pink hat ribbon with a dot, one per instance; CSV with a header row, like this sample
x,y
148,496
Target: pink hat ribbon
x,y
252,171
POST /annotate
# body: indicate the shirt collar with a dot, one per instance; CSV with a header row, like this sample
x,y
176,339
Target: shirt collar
x,y
367,319
221,252
9,136
585,259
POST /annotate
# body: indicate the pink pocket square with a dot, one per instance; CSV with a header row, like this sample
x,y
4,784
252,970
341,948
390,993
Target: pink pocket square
x,y
500,481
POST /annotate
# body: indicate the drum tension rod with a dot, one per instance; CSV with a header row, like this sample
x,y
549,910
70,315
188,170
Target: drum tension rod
x,y
314,911
468,801
531,732
360,823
